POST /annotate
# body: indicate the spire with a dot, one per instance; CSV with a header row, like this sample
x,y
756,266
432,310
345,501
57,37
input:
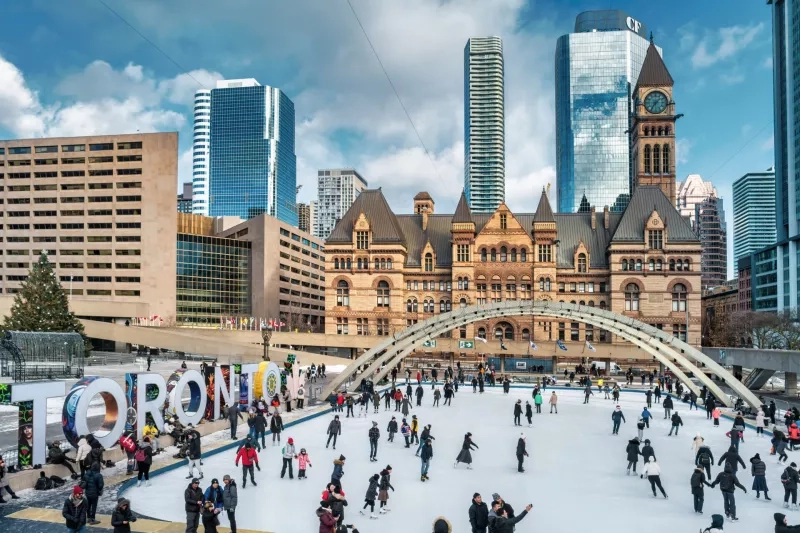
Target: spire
x,y
544,213
654,72
651,37
462,214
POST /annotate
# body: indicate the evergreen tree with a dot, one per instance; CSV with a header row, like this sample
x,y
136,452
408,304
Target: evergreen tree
x,y
41,305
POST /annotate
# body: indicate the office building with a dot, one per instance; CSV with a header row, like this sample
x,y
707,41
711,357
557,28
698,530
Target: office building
x,y
691,192
337,189
753,213
304,217
709,224
484,124
185,199
200,151
596,68
252,163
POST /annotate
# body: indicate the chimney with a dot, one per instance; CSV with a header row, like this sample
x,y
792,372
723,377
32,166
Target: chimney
x,y
605,217
424,218
594,218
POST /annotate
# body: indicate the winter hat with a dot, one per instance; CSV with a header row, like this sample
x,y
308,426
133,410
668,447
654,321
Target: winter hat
x,y
215,481
374,423
522,436
496,497
647,441
779,518
302,450
336,417
413,416
226,477
291,440
756,456
441,525
195,480
341,457
617,407
717,520
651,459
388,467
793,465
324,504
77,491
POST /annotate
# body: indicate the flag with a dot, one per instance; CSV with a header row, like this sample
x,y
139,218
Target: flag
x,y
533,346
592,348
281,324
480,339
560,344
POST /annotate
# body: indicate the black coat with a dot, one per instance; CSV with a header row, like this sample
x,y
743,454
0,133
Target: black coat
x,y
668,402
633,450
792,478
704,456
676,420
521,447
478,516
194,447
335,427
261,422
94,483
528,410
392,427
190,497
427,452
727,481
122,515
517,409
506,525
276,424
647,452
731,457
74,512
698,480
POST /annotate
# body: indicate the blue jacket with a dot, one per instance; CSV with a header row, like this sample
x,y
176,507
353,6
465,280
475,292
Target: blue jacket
x,y
94,483
616,416
646,414
215,496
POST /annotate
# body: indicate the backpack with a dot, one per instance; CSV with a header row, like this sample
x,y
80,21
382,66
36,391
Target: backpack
x,y
139,456
704,458
785,477
43,483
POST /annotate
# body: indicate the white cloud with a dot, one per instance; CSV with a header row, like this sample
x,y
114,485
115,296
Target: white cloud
x,y
732,78
769,144
683,147
723,44
20,109
767,62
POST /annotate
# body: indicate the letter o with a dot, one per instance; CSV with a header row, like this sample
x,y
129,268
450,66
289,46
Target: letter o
x,y
76,408
197,397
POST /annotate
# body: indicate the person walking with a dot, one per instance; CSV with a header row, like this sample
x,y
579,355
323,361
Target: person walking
x,y
373,434
677,422
436,397
230,499
334,430
759,471
234,415
144,458
383,488
553,401
464,456
371,496
93,489
704,459
529,413
668,406
728,482
537,399
193,453
391,429
633,455
338,471
732,458
122,516
425,458
617,417
74,511
698,493
521,452
790,479
653,473
247,454
289,454
646,415
478,514
193,503
275,427
426,435
517,413
414,430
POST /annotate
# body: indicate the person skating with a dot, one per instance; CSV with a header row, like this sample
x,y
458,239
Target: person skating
x,y
74,511
517,413
537,400
761,422
633,455
334,430
426,435
697,442
414,430
193,503
606,392
586,393
261,429
327,520
303,461
234,415
657,393
779,441
464,455
782,526
529,413
646,415
677,422
553,401
736,436
383,488
436,396
387,399
419,393
338,503
759,471
122,517
474,384
214,494
732,458
406,405
478,514
790,479
410,390
653,473
615,393
715,414
398,399
506,385
704,459
668,406
247,454
376,402
425,457
405,431
728,482
647,451
649,396
289,454
521,452
504,524
371,496
373,434
94,484
697,482
338,471
717,521
194,454
391,429
230,499
448,393
617,418
349,403
640,428
209,517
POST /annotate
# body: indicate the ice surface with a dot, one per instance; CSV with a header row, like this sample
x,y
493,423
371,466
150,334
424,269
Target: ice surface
x,y
575,476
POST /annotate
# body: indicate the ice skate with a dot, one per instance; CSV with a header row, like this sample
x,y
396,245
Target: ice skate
x,y
383,510
469,467
361,512
794,507
733,519
190,476
785,505
138,483
147,483
373,516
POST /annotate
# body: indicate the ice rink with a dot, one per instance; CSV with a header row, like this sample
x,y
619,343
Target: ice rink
x,y
575,476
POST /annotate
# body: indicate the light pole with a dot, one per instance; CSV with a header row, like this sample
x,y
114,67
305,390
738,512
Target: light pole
x,y
70,287
266,334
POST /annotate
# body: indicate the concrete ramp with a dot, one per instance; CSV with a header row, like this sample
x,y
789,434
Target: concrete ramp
x,y
758,378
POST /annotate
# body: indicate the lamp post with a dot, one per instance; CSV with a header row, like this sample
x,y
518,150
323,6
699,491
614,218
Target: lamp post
x,y
266,334
70,287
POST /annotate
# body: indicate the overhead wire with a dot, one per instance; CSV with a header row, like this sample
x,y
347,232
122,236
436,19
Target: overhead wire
x,y
742,147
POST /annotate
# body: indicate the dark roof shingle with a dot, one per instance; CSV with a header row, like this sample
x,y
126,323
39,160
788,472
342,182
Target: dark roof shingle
x,y
382,220
654,72
462,214
645,199
544,213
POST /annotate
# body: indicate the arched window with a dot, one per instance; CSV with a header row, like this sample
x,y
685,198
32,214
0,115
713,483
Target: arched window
x,y
359,263
526,334
504,330
342,293
624,264
602,304
425,306
466,284
665,157
383,294
638,265
460,284
679,265
672,265
389,264
541,284
581,262
462,303
646,132
482,333
659,265
336,264
447,305
679,297
547,284
656,159
429,262
412,306
582,302
513,255
494,255
523,255
631,297
651,265
377,264
503,254
686,264
591,303
441,306
349,264
666,130
660,131
647,159
483,255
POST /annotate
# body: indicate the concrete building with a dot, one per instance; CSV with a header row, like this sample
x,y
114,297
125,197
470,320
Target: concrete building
x,y
719,303
753,213
712,231
691,192
596,68
745,289
337,189
185,199
252,163
304,217
484,124
200,151
103,208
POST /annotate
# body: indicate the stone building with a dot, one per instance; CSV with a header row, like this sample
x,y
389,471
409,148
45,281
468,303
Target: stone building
x,y
386,271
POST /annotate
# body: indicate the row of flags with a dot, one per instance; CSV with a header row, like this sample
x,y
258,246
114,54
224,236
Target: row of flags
x,y
250,324
559,343
153,320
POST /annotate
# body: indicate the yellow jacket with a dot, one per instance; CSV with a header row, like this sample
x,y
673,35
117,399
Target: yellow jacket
x,y
414,424
150,431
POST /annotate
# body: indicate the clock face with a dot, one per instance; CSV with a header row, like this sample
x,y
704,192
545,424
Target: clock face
x,y
655,102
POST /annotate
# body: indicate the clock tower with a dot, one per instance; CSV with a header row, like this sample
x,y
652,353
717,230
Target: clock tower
x,y
653,126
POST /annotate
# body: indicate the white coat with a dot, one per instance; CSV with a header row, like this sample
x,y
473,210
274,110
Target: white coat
x,y
760,420
697,443
83,451
652,468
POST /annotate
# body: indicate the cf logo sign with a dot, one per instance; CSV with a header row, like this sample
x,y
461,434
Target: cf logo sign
x,y
633,25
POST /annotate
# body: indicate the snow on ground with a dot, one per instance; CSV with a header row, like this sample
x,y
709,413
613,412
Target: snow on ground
x,y
575,476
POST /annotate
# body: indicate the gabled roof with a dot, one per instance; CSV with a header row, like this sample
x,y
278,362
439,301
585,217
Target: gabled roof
x,y
654,72
462,214
423,196
382,221
584,207
544,213
645,199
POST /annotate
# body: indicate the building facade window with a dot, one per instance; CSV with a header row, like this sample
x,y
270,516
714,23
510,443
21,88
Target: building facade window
x,y
523,255
341,326
679,297
483,255
655,238
582,263
428,262
412,306
462,253
665,156
383,327
503,221
679,331
343,294
647,159
656,160
632,297
545,253
383,294
362,240
503,254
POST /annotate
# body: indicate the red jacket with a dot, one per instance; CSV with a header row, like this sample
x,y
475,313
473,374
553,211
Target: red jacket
x,y
340,399
794,432
398,395
248,456
327,523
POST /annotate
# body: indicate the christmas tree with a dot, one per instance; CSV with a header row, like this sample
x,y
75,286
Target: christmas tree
x,y
41,305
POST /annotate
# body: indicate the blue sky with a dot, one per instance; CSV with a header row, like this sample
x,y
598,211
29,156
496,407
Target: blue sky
x,y
70,68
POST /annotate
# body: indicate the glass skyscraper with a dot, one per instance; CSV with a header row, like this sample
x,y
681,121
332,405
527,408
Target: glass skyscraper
x,y
484,124
200,147
253,168
753,213
596,68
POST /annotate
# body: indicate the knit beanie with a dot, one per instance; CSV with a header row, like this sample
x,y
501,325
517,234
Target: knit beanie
x,y
77,491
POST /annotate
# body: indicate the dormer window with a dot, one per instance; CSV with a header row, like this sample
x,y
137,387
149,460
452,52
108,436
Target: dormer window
x,y
428,262
655,239
503,221
362,240
581,262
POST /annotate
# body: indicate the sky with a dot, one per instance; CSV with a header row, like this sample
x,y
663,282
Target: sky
x,y
75,68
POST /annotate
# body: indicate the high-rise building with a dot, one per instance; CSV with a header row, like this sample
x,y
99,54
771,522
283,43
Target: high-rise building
x,y
753,213
185,199
304,217
484,124
200,151
252,164
337,189
709,222
691,192
596,68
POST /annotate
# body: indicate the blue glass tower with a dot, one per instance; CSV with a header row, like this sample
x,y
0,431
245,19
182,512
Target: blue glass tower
x,y
253,168
595,70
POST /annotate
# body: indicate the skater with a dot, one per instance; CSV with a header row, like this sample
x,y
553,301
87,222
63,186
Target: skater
x,y
398,399
517,413
698,493
214,495
704,459
414,429
646,417
529,413
247,454
288,454
338,471
794,436
193,502
606,392
676,423
586,393
234,415
387,399
633,454
760,422
521,452
406,405
405,431
779,441
790,479
657,393
349,403
653,473
334,430
425,457
193,453
537,399
426,435
697,442
715,414
464,456
303,461
727,483
615,393
506,385
478,514
736,436
553,402
371,496
759,471
693,401
474,385
649,396
710,404
260,428
275,427
384,485
647,451
640,428
716,524
391,429
436,396
376,402
617,417
419,393
667,407
732,458
374,434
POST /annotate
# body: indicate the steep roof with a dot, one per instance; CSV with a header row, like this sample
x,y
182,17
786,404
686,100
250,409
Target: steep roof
x,y
644,200
544,213
462,214
584,207
423,196
382,221
654,72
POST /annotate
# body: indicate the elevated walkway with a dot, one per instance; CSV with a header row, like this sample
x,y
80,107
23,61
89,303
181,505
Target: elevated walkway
x,y
758,378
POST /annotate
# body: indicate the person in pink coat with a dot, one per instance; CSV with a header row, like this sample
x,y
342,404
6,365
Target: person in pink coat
x,y
303,461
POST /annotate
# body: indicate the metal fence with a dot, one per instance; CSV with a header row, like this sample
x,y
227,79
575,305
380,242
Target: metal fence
x,y
30,356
